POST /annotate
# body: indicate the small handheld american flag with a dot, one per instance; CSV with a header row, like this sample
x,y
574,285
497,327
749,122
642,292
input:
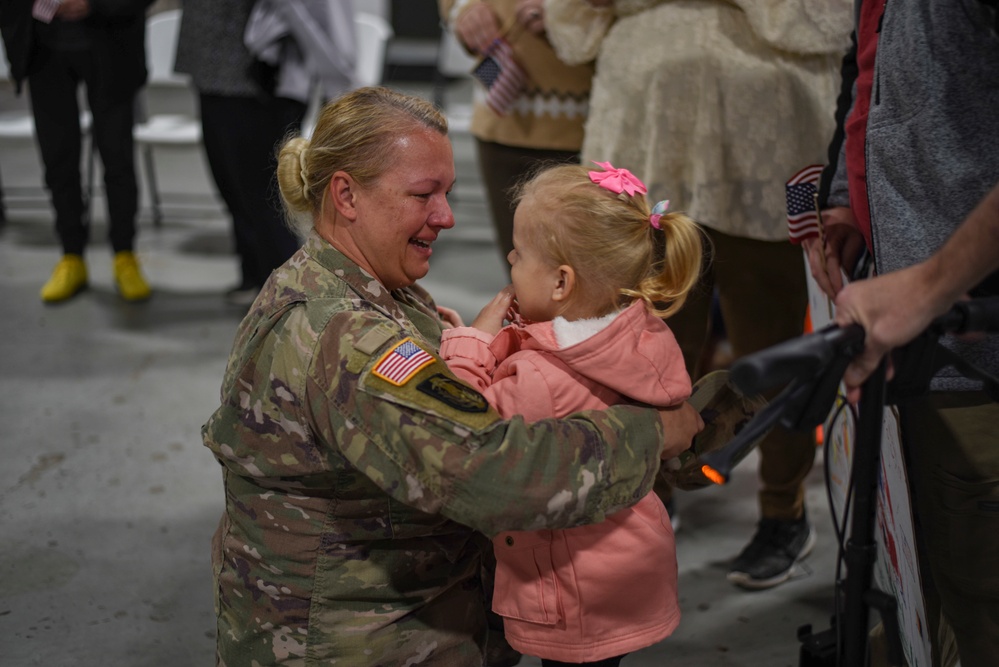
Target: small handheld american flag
x,y
802,204
45,10
501,75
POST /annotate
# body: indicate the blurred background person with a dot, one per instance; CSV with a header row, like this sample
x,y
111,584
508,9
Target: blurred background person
x,y
55,46
925,69
251,98
716,105
534,115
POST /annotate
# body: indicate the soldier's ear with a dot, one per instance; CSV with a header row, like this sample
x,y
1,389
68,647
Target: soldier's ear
x,y
343,193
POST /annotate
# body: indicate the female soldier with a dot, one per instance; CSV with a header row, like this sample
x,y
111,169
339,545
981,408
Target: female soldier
x,y
357,468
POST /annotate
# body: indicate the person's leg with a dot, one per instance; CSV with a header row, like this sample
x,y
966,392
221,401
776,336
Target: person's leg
x,y
503,167
279,241
952,446
214,111
763,297
241,135
113,127
52,87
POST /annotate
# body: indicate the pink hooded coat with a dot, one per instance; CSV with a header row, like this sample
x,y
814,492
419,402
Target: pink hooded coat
x,y
596,591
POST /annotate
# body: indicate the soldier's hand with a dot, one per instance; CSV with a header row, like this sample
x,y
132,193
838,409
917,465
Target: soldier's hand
x,y
680,424
450,318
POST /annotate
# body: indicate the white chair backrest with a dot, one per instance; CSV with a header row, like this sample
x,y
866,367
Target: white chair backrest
x,y
4,65
373,34
161,48
452,59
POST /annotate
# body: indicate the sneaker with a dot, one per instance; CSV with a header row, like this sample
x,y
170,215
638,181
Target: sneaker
x,y
69,277
128,278
770,557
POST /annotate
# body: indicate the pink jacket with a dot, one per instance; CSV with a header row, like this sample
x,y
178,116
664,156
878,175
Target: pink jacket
x,y
595,591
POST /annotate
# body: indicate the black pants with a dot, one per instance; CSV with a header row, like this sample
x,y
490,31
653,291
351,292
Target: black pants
x,y
53,85
242,135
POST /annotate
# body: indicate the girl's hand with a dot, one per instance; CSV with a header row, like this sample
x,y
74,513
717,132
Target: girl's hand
x,y
513,315
449,317
491,317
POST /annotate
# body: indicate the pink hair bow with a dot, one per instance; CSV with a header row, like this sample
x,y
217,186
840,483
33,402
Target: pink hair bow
x,y
617,180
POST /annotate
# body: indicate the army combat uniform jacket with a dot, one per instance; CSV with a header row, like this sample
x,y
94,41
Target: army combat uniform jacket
x,y
358,469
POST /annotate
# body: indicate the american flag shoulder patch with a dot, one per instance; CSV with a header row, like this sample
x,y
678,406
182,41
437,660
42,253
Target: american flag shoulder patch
x,y
402,362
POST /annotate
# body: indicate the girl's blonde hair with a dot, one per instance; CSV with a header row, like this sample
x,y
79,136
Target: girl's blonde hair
x,y
354,133
608,239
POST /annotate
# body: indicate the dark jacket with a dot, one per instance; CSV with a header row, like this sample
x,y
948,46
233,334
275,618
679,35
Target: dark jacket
x,y
117,33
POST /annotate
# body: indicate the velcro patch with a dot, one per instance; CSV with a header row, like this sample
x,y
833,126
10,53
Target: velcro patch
x,y
375,338
402,362
454,393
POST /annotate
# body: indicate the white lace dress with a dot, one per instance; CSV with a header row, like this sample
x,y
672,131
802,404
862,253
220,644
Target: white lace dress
x,y
713,103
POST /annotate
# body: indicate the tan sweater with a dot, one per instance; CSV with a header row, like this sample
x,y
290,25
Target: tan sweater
x,y
551,111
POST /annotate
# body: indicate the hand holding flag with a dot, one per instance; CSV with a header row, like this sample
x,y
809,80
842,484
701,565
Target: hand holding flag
x,y
502,76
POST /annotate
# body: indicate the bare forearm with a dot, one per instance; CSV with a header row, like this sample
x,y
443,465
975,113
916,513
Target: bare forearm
x,y
895,307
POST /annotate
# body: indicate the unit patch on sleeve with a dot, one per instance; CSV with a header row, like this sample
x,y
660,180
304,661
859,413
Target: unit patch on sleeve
x,y
454,393
402,362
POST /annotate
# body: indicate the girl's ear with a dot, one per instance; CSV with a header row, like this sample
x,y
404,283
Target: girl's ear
x,y
343,192
565,283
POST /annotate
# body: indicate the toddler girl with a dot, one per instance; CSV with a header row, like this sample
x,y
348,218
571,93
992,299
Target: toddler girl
x,y
594,271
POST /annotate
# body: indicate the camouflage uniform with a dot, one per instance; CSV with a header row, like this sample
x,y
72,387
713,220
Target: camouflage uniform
x,y
352,502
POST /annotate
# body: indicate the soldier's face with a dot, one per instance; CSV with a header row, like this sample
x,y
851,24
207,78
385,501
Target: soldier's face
x,y
535,279
401,214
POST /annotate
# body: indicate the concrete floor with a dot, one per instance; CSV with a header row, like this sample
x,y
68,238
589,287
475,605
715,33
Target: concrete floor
x,y
108,499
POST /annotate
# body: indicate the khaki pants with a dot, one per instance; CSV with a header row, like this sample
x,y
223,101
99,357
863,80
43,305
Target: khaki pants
x,y
952,450
503,167
763,297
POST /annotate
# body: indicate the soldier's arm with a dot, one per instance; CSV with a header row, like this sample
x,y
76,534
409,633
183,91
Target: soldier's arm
x,y
434,443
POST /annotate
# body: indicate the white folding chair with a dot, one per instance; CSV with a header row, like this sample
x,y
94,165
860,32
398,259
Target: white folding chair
x,y
453,62
163,129
372,36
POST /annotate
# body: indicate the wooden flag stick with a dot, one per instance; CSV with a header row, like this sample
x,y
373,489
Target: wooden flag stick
x,y
822,245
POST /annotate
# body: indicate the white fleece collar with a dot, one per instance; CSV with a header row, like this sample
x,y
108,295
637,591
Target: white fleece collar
x,y
569,333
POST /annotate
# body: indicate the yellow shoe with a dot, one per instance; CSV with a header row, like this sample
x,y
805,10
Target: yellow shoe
x,y
68,278
128,278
